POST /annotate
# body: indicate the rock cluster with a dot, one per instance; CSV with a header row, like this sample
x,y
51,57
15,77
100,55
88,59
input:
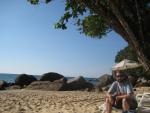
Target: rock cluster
x,y
56,82
49,82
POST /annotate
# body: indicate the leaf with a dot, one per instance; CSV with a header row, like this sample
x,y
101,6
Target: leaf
x,y
47,1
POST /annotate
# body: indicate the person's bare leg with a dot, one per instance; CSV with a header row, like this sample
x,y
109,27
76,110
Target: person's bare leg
x,y
125,105
108,105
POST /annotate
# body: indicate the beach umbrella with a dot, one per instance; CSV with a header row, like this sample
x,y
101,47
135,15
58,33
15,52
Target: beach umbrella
x,y
125,64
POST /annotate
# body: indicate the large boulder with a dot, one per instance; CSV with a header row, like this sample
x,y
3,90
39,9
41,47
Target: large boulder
x,y
106,88
76,80
46,86
24,79
98,89
78,83
3,84
51,76
13,87
62,80
104,80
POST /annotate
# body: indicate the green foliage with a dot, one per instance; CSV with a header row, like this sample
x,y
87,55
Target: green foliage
x,y
94,15
35,2
94,26
62,22
72,10
137,72
47,1
91,25
126,53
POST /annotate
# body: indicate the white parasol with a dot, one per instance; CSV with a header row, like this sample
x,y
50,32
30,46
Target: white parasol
x,y
125,64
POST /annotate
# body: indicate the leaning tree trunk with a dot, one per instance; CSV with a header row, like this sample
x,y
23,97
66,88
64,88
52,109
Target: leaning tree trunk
x,y
143,57
142,51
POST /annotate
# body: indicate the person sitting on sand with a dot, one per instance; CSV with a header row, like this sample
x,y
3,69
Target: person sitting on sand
x,y
120,94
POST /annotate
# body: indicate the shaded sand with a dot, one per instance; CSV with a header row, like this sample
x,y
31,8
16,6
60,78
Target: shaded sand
x,y
27,101
30,101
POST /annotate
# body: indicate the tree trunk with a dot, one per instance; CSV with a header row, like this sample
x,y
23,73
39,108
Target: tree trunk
x,y
133,41
143,57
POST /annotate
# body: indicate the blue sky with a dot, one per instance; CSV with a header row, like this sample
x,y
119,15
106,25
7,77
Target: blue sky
x,y
30,44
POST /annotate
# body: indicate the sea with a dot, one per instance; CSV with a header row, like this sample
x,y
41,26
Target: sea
x,y
10,78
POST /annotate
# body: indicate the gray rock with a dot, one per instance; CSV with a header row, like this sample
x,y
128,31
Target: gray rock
x,y
3,84
13,87
105,80
51,76
106,88
98,89
24,79
62,80
78,83
46,86
79,79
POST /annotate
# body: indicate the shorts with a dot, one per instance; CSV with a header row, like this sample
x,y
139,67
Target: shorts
x,y
118,105
132,103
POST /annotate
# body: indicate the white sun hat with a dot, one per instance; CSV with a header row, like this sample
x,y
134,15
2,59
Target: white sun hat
x,y
125,64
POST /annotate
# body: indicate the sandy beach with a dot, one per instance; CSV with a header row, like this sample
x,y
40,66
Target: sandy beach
x,y
27,101
33,101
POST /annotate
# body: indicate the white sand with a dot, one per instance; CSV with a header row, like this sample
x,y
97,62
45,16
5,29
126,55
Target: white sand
x,y
27,101
30,101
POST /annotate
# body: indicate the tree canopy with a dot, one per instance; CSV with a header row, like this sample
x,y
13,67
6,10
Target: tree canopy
x,y
95,18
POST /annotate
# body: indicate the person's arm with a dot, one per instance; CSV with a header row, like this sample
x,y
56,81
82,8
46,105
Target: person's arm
x,y
123,96
120,97
129,92
111,92
109,95
112,89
